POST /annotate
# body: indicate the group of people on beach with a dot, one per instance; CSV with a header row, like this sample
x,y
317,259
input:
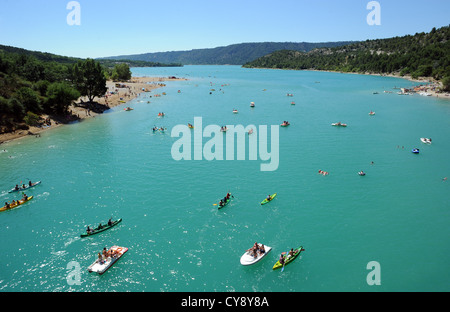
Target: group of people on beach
x,y
257,250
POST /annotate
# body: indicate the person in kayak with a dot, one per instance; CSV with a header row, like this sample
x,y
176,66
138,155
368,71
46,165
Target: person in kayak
x,y
291,252
281,260
221,203
269,198
88,230
17,187
25,197
228,195
29,183
109,222
6,205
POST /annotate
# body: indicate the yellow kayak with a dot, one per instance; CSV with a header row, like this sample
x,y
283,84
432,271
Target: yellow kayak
x,y
4,208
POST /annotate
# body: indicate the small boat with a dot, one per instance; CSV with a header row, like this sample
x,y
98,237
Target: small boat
x,y
265,201
248,258
285,124
339,124
425,140
101,265
24,188
17,204
292,103
362,173
224,204
190,126
288,259
252,104
415,151
235,111
371,113
102,229
223,129
250,131
128,109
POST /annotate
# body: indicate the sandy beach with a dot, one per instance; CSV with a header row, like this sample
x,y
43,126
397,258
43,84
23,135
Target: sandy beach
x,y
118,93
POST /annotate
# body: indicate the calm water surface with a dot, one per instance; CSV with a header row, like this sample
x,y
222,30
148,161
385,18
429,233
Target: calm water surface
x,y
115,166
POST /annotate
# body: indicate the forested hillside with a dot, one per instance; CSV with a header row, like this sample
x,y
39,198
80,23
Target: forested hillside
x,y
419,55
236,54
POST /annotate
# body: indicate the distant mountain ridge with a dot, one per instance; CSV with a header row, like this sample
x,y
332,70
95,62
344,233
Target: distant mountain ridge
x,y
419,55
235,54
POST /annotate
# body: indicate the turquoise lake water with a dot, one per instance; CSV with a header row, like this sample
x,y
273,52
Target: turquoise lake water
x,y
115,166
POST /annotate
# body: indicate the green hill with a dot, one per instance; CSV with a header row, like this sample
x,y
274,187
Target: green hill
x,y
419,55
236,54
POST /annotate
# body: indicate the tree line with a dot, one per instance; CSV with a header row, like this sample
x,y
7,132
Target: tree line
x,y
419,55
33,84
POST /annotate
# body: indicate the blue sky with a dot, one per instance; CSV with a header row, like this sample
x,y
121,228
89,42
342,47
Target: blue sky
x,y
115,27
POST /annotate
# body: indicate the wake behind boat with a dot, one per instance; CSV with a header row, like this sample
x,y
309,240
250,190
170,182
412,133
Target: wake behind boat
x,y
104,262
255,254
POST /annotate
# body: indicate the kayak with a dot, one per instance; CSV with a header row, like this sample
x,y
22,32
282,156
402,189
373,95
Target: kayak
x,y
100,266
285,125
21,202
104,228
289,259
265,201
226,203
248,259
24,188
361,173
338,124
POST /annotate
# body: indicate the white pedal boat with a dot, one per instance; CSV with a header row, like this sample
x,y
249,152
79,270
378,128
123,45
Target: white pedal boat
x,y
100,266
248,258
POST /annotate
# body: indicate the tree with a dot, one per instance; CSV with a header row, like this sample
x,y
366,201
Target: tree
x,y
30,99
31,119
89,79
123,71
446,84
60,96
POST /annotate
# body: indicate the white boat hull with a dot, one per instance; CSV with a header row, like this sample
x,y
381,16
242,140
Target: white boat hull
x,y
248,259
100,267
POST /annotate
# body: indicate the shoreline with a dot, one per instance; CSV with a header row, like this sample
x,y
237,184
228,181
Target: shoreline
x,y
115,96
426,84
